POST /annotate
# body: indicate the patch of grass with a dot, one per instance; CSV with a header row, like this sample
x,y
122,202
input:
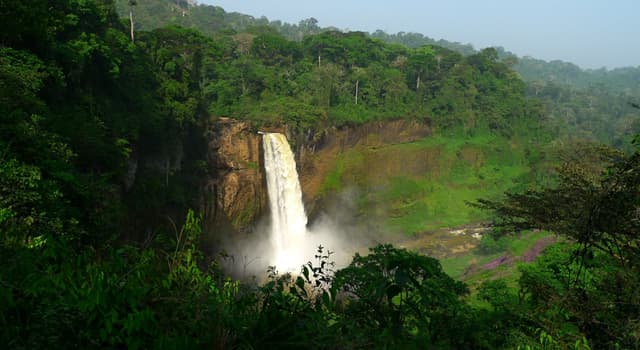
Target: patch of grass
x,y
252,165
453,143
441,201
515,246
520,244
456,266
424,185
333,181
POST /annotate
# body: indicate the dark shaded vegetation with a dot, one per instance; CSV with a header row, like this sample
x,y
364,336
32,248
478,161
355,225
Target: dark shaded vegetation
x,y
101,142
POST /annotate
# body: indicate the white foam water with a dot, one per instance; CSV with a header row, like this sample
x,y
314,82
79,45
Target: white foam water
x,y
288,218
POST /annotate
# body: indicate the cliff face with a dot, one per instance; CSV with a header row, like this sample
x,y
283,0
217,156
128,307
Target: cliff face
x,y
235,195
317,158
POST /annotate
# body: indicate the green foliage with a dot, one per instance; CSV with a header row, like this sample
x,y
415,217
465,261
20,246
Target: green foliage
x,y
400,298
615,81
596,211
27,202
491,245
131,297
580,288
415,40
594,112
331,78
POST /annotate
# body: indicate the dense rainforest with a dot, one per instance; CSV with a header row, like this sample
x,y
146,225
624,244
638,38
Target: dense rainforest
x,y
585,102
97,250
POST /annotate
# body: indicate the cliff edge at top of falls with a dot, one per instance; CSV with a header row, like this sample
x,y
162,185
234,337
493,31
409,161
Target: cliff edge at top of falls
x,y
234,196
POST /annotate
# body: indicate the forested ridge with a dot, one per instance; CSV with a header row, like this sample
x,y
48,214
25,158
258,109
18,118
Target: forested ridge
x,y
593,103
90,258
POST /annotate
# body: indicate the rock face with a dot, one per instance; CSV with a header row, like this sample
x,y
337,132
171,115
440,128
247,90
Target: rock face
x,y
235,194
234,197
317,158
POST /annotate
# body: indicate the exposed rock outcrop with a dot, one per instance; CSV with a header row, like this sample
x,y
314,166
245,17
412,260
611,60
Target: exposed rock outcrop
x,y
235,193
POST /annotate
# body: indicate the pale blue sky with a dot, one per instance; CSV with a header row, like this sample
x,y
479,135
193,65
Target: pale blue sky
x,y
590,33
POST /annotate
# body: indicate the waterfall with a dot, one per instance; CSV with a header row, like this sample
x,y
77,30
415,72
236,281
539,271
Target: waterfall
x,y
288,218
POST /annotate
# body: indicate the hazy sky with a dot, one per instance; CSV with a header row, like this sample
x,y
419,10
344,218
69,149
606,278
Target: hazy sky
x,y
590,33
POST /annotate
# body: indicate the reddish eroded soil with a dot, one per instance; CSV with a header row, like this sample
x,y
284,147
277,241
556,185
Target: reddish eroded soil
x,y
503,260
531,254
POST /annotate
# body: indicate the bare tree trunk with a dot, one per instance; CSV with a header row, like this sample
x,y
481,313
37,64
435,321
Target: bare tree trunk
x,y
418,83
318,60
131,22
357,84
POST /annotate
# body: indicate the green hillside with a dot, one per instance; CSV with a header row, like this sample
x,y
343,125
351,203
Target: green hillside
x,y
425,185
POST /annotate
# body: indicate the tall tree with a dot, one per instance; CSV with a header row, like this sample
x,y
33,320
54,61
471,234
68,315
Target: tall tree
x,y
132,3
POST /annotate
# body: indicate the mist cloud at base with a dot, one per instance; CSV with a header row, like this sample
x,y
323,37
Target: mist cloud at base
x,y
337,229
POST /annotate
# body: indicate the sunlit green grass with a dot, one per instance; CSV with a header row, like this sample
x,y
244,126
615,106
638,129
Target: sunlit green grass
x,y
436,201
460,169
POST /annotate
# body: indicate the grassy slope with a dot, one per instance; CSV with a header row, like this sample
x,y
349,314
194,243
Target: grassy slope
x,y
423,185
469,266
515,246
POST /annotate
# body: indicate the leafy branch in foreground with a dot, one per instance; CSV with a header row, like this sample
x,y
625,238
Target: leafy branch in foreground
x,y
599,211
586,287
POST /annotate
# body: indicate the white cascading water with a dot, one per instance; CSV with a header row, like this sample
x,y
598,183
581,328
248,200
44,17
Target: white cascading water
x,y
288,218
